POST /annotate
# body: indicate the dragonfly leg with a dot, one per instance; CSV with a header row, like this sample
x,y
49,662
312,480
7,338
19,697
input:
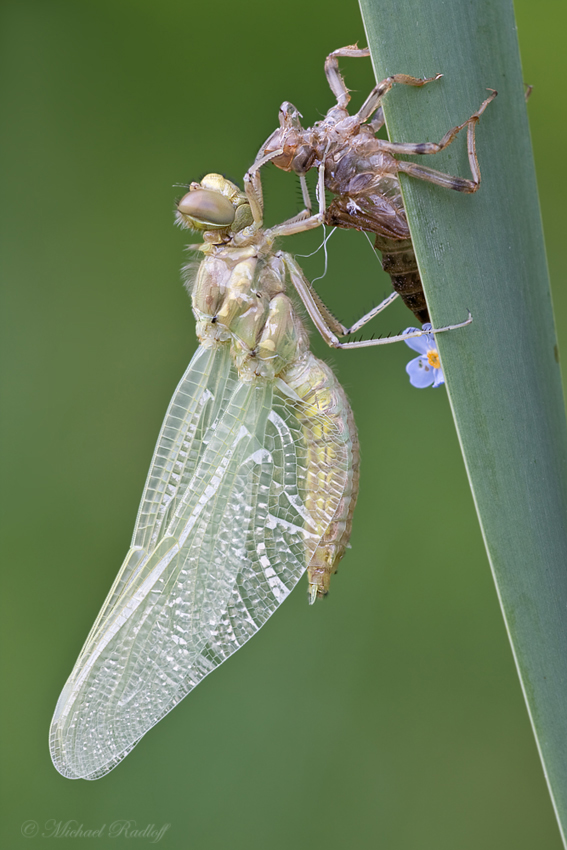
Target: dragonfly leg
x,y
253,189
328,326
308,210
305,220
378,121
372,313
366,343
331,329
262,158
334,76
305,192
448,181
372,102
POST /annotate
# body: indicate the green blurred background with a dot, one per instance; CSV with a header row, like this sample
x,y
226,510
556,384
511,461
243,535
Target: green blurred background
x,y
389,716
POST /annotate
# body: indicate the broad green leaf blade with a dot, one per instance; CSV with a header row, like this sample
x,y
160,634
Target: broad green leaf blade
x,y
485,252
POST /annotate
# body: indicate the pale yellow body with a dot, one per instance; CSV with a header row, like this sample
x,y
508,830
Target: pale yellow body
x,y
253,480
239,299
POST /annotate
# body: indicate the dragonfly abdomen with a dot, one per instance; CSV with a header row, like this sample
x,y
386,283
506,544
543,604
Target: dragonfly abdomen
x,y
268,342
332,464
399,261
386,220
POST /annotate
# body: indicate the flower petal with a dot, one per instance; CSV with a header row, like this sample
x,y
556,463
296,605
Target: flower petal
x,y
422,344
439,378
421,374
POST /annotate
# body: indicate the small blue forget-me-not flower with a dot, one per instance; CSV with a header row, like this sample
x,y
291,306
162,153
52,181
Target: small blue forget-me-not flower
x,y
424,370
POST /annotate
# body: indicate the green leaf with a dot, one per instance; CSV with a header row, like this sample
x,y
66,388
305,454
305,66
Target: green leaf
x,y
485,253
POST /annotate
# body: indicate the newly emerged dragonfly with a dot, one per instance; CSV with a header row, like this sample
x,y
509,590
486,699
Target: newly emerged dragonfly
x,y
362,171
253,481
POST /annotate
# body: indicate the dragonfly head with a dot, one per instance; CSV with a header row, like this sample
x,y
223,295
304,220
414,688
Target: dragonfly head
x,y
215,204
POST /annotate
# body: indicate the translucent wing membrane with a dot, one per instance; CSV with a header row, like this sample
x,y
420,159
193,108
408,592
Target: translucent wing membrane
x,y
222,536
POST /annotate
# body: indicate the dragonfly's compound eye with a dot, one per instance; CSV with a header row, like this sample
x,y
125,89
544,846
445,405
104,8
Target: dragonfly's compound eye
x,y
205,209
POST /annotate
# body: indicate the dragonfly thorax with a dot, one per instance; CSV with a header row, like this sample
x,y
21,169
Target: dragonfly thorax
x,y
243,303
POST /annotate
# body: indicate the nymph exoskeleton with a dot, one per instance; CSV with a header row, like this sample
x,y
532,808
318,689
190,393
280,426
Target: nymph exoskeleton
x,y
253,481
362,171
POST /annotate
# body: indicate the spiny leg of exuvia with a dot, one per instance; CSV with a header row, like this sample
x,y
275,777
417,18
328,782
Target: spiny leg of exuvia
x,y
362,171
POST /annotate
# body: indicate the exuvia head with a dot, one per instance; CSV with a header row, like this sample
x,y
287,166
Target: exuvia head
x,y
296,153
214,204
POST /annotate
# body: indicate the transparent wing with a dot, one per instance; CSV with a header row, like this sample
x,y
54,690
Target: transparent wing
x,y
221,538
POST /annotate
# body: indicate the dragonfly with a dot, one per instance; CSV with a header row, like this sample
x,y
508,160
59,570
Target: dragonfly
x,y
362,172
253,481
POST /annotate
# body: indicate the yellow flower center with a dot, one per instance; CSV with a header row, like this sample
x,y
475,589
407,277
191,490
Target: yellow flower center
x,y
433,359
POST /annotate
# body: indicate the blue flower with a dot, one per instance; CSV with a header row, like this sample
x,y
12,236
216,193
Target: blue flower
x,y
425,369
